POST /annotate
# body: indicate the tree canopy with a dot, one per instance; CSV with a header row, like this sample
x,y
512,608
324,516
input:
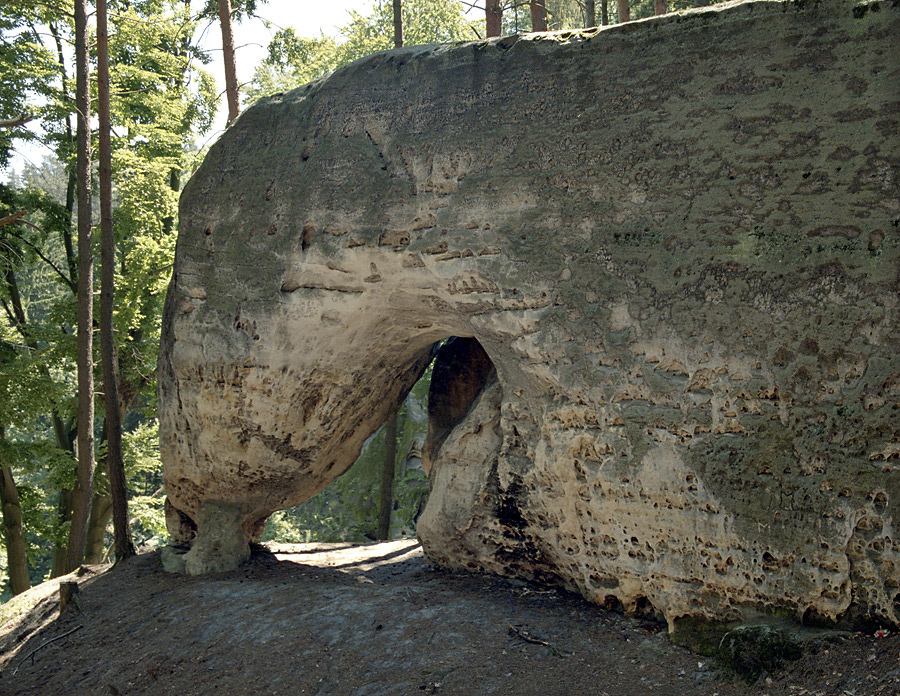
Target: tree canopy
x,y
294,60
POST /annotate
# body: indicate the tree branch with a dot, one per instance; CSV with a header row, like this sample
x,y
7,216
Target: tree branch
x,y
44,645
10,219
16,218
17,121
9,313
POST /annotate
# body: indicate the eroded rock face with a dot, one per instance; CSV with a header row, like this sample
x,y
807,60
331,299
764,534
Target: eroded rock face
x,y
677,241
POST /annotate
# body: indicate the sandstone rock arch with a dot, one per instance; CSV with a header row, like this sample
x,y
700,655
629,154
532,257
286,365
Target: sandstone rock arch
x,y
677,242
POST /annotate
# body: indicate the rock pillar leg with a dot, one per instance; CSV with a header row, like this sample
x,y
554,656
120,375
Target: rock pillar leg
x,y
222,542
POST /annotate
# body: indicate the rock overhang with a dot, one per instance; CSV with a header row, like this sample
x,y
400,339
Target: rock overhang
x,y
677,242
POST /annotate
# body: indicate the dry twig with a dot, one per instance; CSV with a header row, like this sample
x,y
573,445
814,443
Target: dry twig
x,y
523,633
44,645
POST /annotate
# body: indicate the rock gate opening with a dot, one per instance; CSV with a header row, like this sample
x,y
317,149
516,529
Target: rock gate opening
x,y
675,239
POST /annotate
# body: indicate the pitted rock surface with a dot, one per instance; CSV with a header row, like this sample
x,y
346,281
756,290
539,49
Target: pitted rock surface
x,y
677,241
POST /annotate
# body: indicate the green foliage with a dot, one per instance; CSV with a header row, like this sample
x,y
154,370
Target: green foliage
x,y
36,355
27,68
143,470
565,14
293,60
40,467
160,100
140,452
36,362
148,520
239,9
159,94
348,509
146,248
424,22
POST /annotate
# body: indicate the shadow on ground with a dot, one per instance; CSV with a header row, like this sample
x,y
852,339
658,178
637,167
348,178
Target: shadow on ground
x,y
368,621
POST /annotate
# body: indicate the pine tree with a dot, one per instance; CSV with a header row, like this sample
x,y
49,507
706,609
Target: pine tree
x,y
231,82
493,12
84,488
114,465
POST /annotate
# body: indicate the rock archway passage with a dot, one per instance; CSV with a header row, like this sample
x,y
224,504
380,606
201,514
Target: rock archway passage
x,y
677,242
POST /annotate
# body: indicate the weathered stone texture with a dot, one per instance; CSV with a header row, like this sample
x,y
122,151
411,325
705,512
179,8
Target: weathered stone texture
x,y
678,242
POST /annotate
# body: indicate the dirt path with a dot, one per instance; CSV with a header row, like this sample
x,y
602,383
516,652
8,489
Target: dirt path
x,y
372,620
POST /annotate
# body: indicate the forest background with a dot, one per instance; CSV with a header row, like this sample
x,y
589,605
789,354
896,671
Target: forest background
x,y
165,107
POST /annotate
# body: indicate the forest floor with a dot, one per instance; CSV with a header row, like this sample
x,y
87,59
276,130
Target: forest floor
x,y
370,620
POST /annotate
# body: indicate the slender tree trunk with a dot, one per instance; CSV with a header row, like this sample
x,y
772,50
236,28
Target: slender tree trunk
x,y
624,11
660,7
63,434
175,185
604,13
101,513
61,430
65,507
398,23
493,15
13,533
183,54
115,466
70,171
65,440
387,480
590,14
13,529
15,298
84,488
538,15
231,83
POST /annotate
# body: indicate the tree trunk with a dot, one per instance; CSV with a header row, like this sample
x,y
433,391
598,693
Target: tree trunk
x,y
63,432
101,512
71,181
493,17
68,596
64,510
387,480
590,14
183,55
538,15
13,529
84,487
604,13
231,83
18,309
660,7
115,466
624,12
398,23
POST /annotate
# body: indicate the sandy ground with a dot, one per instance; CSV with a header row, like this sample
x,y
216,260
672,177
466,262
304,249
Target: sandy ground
x,y
374,620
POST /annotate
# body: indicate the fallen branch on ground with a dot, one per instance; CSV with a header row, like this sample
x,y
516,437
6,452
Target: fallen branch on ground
x,y
44,645
528,638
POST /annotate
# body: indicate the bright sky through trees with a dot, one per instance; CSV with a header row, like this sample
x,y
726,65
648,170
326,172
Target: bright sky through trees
x,y
307,17
252,36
